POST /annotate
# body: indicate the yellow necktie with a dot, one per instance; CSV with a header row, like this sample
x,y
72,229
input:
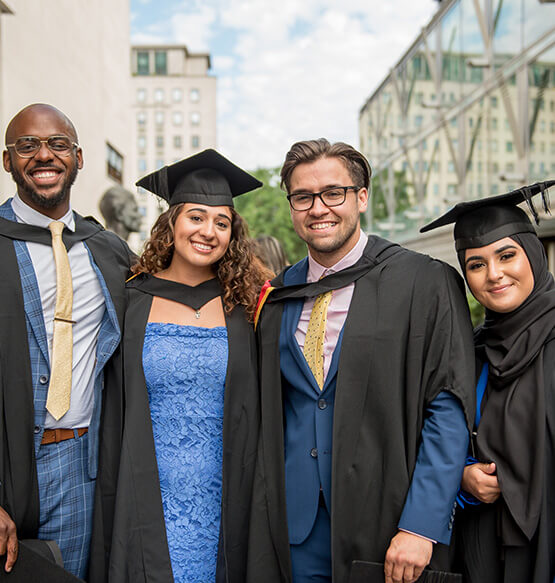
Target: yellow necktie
x,y
59,389
314,341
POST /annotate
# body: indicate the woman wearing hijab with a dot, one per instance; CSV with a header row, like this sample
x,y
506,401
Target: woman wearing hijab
x,y
190,390
506,530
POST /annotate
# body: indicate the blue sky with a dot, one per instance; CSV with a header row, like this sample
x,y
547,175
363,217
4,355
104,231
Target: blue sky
x,y
286,71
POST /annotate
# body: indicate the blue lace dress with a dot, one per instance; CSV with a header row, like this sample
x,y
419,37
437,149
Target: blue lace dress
x,y
185,370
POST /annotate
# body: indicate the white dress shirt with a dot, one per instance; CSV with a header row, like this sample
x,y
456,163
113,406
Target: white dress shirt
x,y
88,310
339,305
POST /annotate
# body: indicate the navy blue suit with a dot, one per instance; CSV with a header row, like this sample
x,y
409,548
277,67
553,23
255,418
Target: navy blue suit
x,y
308,412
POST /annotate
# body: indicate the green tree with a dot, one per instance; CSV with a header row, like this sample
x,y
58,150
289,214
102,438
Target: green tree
x,y
267,213
378,198
477,311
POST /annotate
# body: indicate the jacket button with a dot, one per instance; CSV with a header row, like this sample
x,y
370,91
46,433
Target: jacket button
x,y
314,452
322,404
36,429
43,379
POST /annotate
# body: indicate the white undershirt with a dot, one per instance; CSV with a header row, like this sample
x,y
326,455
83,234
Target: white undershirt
x,y
88,310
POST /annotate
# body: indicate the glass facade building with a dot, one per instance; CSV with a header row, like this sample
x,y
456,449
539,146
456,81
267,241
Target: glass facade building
x,y
468,111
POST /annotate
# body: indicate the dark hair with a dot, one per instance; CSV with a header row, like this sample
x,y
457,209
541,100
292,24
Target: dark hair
x,y
270,251
240,273
311,150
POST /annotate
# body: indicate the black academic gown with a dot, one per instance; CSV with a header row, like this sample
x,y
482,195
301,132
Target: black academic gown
x,y
137,550
407,337
18,477
478,543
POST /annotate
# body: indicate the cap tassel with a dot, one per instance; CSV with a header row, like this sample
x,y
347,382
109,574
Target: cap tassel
x,y
528,194
545,199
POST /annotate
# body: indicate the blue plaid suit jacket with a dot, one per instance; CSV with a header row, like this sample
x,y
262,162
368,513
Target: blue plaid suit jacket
x,y
108,339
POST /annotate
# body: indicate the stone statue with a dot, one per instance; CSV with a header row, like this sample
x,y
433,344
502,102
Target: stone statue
x,y
120,211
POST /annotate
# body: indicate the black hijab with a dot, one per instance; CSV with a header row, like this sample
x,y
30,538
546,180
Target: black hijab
x,y
512,429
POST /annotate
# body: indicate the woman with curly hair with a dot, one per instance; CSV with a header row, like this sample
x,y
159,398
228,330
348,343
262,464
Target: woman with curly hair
x,y
190,388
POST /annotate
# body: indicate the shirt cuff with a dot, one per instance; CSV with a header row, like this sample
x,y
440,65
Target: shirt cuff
x,y
419,535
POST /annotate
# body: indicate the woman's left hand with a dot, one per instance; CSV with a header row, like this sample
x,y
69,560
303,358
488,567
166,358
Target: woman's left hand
x,y
480,481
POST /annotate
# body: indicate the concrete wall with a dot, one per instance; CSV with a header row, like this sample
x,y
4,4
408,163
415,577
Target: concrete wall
x,y
74,55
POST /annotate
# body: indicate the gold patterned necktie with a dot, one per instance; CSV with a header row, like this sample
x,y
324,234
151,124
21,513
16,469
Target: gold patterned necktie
x,y
59,389
313,349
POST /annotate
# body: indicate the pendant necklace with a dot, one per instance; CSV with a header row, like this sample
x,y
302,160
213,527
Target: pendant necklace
x,y
197,314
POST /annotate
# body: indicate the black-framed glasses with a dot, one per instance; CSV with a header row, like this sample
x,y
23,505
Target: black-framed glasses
x,y
303,201
28,146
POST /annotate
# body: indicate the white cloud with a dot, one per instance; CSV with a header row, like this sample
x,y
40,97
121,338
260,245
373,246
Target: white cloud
x,y
296,70
195,29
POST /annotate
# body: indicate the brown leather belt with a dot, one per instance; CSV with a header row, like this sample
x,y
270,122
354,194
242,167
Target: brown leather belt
x,y
57,435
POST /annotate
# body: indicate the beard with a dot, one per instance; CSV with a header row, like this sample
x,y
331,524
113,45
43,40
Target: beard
x,y
42,201
349,228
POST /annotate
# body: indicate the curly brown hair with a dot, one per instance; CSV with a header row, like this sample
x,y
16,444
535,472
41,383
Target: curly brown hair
x,y
240,273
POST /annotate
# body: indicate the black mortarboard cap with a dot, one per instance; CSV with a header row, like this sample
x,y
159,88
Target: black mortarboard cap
x,y
205,178
483,221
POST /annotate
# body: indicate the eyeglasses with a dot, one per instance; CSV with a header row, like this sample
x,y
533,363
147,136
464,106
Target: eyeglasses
x,y
28,146
304,201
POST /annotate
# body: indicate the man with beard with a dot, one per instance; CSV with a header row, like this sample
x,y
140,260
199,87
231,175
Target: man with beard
x,y
366,352
62,292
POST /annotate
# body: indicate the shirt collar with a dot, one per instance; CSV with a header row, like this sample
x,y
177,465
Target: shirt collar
x,y
317,271
25,214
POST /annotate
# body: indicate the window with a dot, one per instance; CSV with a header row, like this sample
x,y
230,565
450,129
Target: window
x,y
159,95
159,141
159,163
195,141
480,189
509,167
177,95
495,189
418,119
495,167
450,167
141,95
195,118
141,118
143,63
194,95
161,63
493,145
159,118
493,101
177,142
114,163
470,122
509,146
141,143
177,118
141,166
493,123
452,189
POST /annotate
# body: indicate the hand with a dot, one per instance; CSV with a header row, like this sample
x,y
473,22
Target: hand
x,y
8,539
480,480
406,557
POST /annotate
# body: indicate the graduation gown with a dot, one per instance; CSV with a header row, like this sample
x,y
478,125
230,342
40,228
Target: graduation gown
x,y
136,550
407,337
19,494
477,539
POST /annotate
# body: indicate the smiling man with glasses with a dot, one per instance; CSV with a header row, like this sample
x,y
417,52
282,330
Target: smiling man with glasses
x,y
62,296
367,381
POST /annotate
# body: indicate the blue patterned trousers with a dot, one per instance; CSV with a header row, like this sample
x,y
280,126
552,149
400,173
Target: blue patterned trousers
x,y
66,500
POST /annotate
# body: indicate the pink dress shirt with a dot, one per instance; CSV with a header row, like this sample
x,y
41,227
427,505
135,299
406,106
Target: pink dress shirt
x,y
339,305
